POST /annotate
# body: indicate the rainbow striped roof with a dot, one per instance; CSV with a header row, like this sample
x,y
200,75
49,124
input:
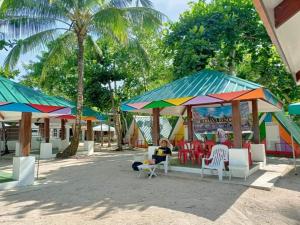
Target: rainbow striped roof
x,y
207,87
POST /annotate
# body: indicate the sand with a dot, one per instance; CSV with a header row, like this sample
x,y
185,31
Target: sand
x,y
103,189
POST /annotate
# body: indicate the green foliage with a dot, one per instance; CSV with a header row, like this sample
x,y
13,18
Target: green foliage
x,y
228,36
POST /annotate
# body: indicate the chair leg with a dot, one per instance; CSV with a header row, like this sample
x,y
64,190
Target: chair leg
x,y
220,173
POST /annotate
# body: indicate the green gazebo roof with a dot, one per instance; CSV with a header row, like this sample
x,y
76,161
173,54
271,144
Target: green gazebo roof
x,y
207,87
12,92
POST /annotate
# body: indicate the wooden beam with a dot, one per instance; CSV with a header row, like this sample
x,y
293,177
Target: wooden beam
x,y
89,135
1,116
298,76
285,10
256,132
25,134
190,123
63,129
47,130
155,127
236,124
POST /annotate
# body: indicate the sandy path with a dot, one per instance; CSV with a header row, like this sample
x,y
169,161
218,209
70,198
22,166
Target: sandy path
x,y
103,190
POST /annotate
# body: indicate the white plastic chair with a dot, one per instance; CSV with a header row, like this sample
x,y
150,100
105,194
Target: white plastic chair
x,y
238,163
151,151
219,154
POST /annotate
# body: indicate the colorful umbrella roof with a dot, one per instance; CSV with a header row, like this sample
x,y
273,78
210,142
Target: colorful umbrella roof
x,y
87,114
207,87
15,97
294,109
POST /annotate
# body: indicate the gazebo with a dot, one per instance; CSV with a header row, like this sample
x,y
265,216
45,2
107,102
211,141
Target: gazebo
x,y
203,89
20,103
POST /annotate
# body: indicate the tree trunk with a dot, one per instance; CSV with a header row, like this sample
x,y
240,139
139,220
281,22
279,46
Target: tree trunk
x,y
116,117
109,134
101,134
4,136
73,147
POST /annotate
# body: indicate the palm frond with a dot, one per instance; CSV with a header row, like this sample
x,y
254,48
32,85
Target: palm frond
x,y
146,18
62,47
135,47
112,20
90,43
30,43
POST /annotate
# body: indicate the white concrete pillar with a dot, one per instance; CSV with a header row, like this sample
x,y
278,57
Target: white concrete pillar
x,y
83,135
68,133
46,151
23,170
89,147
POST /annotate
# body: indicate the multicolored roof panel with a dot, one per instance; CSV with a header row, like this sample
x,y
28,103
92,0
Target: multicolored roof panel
x,y
87,113
204,88
15,97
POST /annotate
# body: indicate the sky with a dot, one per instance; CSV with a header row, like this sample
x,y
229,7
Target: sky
x,y
171,8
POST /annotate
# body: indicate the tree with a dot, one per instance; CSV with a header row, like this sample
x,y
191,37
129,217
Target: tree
x,y
79,19
228,36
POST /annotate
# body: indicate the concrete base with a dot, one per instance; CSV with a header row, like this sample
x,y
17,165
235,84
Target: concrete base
x,y
23,170
17,151
258,153
89,147
46,151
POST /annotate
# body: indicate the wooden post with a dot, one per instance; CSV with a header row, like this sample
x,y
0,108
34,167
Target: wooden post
x,y
63,129
190,123
47,130
256,136
236,123
155,127
25,134
89,130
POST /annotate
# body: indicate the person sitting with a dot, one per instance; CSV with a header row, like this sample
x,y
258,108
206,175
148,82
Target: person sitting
x,y
163,150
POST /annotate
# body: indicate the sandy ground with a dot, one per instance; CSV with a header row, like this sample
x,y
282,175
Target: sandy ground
x,y
104,190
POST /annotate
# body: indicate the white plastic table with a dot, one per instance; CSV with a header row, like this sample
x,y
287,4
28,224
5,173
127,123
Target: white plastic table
x,y
147,167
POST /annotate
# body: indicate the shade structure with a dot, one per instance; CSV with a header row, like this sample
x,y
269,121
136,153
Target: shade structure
x,y
16,99
282,20
205,88
87,113
294,109
103,127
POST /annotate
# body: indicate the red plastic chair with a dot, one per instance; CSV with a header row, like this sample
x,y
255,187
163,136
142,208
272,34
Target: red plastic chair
x,y
182,152
228,143
247,145
198,152
208,146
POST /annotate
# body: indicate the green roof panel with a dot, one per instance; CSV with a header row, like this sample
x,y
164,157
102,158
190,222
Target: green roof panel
x,y
13,92
158,104
203,83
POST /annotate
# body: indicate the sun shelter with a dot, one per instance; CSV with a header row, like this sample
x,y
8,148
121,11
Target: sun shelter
x,y
104,131
88,115
282,20
207,88
20,103
139,133
276,131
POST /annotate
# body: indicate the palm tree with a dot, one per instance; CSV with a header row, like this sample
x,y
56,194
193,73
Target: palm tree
x,y
69,21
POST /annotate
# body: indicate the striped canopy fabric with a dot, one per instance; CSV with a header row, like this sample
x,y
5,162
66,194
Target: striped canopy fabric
x,y
204,88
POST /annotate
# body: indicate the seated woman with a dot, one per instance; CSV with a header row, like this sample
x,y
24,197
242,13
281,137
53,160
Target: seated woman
x,y
163,150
